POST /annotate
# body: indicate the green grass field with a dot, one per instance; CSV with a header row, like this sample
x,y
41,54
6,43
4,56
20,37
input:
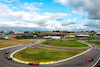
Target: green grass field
x,y
95,42
7,43
32,54
70,43
81,38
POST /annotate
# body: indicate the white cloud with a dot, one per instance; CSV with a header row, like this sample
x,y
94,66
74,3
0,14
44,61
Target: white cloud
x,y
47,21
16,24
8,1
78,12
29,16
56,15
4,8
93,24
68,22
91,7
40,4
61,1
74,27
33,18
74,19
29,6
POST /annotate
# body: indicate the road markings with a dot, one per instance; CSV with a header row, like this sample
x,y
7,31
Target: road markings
x,y
96,63
10,47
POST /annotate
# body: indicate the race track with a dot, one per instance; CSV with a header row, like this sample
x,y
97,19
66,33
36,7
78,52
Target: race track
x,y
75,62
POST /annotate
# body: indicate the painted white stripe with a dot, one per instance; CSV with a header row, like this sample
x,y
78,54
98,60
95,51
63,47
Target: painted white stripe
x,y
14,46
96,63
10,47
16,52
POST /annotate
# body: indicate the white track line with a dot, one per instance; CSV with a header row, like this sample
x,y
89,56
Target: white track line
x,y
10,47
96,63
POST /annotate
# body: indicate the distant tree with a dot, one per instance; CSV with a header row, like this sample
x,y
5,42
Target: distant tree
x,y
57,31
64,31
1,31
92,31
86,31
53,30
11,32
26,31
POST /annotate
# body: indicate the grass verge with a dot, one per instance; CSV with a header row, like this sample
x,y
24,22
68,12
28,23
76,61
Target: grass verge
x,y
70,43
7,43
95,42
32,54
57,50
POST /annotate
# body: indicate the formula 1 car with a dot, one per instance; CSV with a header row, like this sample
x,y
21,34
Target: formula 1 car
x,y
97,49
9,58
89,60
7,52
35,63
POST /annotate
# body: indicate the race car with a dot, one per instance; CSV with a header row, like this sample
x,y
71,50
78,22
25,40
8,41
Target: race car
x,y
7,52
88,60
35,63
97,49
9,58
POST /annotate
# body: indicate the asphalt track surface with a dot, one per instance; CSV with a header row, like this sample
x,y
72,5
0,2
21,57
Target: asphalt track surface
x,y
75,62
69,48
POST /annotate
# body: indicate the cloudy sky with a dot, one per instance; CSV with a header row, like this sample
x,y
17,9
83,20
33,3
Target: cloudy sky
x,y
48,15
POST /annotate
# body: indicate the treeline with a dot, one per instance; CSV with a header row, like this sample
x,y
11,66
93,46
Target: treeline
x,y
24,37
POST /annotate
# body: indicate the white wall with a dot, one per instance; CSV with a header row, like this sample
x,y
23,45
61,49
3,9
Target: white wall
x,y
53,37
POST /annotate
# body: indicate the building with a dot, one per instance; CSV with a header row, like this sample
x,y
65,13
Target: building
x,y
1,34
52,37
81,35
6,31
98,34
34,35
18,32
51,33
69,36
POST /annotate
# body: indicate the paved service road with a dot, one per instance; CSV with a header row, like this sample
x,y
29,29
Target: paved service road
x,y
75,62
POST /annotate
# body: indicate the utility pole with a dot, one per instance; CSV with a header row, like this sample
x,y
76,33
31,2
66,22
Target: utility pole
x,y
61,37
